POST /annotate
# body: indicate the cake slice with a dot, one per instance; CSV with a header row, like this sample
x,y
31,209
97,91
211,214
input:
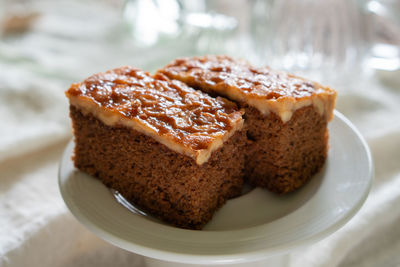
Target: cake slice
x,y
173,151
285,116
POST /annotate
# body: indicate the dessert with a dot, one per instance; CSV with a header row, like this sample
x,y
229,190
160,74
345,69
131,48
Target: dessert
x,y
174,151
285,116
174,145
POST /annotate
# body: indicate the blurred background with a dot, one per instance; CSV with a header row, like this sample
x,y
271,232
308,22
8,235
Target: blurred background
x,y
326,39
45,45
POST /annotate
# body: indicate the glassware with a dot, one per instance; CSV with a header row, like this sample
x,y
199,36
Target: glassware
x,y
151,21
319,39
208,28
384,34
200,25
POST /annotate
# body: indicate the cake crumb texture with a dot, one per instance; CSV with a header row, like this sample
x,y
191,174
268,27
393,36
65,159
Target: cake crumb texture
x,y
166,184
286,116
182,142
282,157
186,120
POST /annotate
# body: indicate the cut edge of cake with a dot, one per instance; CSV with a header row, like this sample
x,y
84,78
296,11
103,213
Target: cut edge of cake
x,y
285,107
287,152
166,184
112,117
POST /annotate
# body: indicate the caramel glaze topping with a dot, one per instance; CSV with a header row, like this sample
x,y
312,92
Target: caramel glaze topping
x,y
180,117
263,88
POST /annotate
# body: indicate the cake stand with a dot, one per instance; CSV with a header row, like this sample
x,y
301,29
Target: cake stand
x,y
253,227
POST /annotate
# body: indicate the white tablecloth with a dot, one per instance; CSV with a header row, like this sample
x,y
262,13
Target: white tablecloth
x,y
36,229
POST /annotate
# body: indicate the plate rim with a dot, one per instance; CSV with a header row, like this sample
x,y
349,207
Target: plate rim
x,y
224,258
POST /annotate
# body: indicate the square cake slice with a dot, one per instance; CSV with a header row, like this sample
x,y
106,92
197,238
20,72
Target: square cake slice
x,y
285,116
173,151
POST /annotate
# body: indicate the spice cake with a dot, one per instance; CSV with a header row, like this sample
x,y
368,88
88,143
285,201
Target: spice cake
x,y
174,151
285,116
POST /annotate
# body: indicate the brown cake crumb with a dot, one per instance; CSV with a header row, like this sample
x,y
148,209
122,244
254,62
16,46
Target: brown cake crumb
x,y
285,116
171,150
162,182
173,145
284,156
185,120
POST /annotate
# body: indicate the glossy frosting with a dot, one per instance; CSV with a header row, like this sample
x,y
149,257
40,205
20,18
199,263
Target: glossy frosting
x,y
263,88
185,120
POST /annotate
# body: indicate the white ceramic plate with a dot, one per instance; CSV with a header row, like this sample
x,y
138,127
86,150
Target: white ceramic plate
x,y
251,227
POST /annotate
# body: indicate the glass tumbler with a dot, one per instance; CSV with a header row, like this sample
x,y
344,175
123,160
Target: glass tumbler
x,y
321,40
201,25
384,34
